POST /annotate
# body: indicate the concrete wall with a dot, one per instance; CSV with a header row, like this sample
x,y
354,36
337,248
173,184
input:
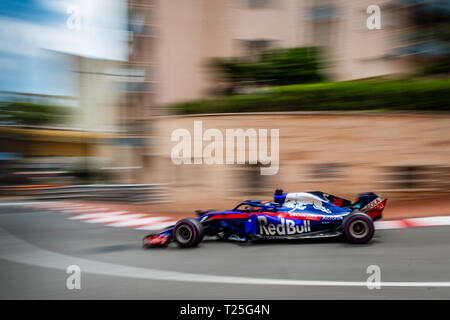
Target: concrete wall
x,y
399,155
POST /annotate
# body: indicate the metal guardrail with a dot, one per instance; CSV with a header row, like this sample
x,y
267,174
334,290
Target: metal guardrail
x,y
136,193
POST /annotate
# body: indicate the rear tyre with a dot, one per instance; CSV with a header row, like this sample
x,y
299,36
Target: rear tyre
x,y
358,228
188,233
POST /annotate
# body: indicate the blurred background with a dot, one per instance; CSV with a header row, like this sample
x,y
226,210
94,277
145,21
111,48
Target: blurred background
x,y
90,92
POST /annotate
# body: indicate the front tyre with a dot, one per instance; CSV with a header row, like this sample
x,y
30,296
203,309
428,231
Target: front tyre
x,y
188,233
358,228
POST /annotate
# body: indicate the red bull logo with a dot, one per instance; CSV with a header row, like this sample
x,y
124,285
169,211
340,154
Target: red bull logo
x,y
285,227
299,201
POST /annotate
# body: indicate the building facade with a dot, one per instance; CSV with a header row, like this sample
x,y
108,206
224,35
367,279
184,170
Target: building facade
x,y
173,41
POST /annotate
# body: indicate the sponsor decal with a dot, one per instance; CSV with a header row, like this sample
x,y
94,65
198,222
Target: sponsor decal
x,y
334,218
305,216
375,205
314,217
300,204
285,227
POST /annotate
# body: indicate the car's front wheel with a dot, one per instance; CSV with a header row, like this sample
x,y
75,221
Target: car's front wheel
x,y
188,233
358,228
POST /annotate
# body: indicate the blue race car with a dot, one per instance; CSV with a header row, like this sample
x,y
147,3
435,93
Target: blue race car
x,y
290,216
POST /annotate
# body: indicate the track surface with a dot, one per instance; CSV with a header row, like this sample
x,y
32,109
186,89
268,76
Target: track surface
x,y
37,245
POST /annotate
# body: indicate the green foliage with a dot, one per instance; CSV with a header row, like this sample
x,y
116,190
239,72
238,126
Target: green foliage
x,y
32,114
424,95
274,67
440,67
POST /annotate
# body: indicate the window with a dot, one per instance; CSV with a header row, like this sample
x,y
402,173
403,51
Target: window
x,y
255,47
255,4
326,171
138,86
140,20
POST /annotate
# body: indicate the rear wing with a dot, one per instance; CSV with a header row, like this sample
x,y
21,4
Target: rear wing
x,y
371,204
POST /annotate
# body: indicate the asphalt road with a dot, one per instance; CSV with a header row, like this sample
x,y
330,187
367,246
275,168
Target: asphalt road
x,y
37,246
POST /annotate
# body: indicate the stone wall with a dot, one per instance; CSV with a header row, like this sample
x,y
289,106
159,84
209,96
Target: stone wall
x,y
401,156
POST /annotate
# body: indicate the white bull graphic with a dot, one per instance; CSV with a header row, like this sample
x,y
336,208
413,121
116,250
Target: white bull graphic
x,y
301,200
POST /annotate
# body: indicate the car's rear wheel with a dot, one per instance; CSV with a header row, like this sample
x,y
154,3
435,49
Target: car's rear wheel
x,y
188,233
358,228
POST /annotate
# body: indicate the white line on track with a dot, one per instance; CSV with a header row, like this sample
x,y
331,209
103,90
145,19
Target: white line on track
x,y
413,222
431,221
134,222
88,216
158,226
20,251
385,225
116,218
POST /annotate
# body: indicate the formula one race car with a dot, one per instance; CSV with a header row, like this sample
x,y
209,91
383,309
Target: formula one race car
x,y
289,216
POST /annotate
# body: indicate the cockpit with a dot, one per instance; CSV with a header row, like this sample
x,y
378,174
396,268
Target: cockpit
x,y
249,207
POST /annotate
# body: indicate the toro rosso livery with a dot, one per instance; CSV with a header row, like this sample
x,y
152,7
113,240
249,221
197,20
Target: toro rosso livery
x,y
289,216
